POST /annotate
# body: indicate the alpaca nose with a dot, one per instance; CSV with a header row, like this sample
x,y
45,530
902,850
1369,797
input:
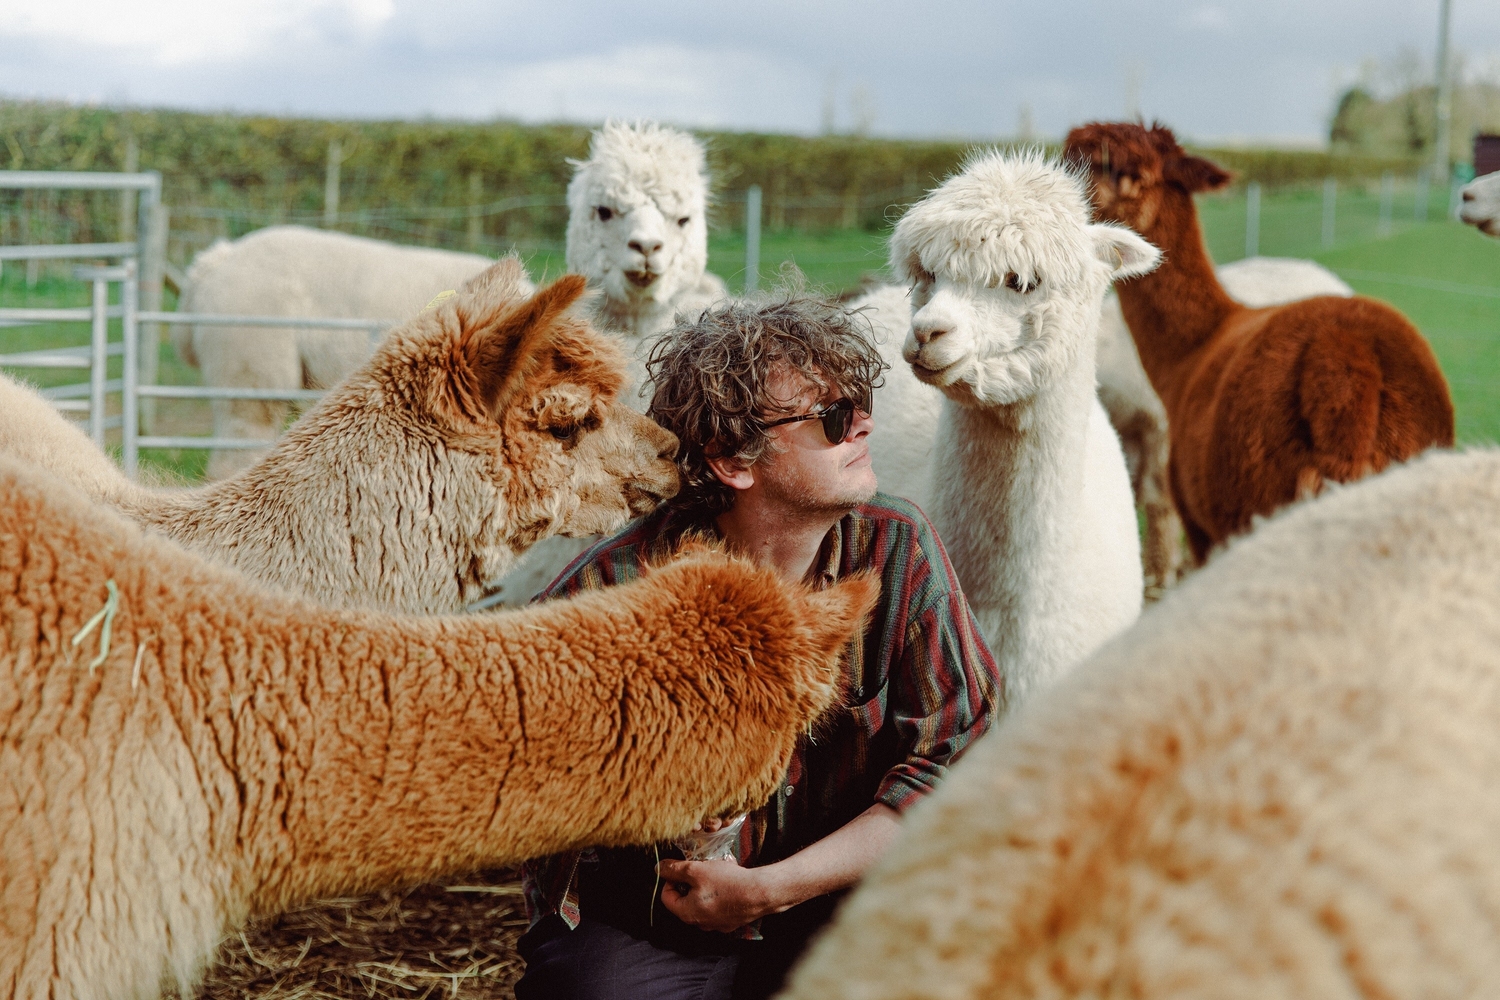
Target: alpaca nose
x,y
927,333
1468,196
645,246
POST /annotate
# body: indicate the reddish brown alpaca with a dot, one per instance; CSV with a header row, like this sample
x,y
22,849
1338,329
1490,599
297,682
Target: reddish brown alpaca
x,y
1264,405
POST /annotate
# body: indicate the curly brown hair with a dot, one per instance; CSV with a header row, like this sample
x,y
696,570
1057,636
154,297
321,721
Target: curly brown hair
x,y
711,380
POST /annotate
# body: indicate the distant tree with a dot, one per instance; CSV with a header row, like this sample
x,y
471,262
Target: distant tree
x,y
1349,124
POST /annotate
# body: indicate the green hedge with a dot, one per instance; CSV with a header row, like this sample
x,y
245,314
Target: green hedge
x,y
224,174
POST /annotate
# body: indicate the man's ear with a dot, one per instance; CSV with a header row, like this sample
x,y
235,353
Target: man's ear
x,y
732,473
1123,250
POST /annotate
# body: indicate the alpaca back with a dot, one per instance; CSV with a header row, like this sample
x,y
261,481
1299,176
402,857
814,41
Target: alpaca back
x,y
297,271
33,430
1279,783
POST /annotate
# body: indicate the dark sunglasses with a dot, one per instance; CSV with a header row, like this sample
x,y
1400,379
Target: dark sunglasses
x,y
837,416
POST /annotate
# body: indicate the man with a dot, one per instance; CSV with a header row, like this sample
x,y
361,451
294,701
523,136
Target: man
x,y
772,407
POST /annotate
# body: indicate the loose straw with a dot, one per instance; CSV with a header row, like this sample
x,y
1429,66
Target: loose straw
x,y
107,616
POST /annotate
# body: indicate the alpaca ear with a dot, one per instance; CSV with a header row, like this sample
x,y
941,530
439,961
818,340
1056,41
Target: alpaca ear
x,y
499,356
506,278
837,613
1193,174
1123,251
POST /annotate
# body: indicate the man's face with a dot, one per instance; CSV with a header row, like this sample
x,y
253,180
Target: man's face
x,y
802,469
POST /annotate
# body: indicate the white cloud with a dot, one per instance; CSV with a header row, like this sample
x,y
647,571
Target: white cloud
x,y
1210,18
706,87
181,32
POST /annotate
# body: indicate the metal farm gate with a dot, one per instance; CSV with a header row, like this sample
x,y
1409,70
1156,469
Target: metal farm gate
x,y
139,312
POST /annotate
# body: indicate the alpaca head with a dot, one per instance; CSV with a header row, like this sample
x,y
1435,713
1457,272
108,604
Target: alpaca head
x,y
1136,172
636,207
1481,204
496,413
1007,276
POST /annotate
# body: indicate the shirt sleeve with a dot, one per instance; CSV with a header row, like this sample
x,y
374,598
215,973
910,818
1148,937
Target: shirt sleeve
x,y
945,693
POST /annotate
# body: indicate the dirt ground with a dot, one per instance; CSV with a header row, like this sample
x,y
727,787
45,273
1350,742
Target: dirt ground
x,y
454,941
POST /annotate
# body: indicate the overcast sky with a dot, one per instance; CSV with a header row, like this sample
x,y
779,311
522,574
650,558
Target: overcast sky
x,y
1233,69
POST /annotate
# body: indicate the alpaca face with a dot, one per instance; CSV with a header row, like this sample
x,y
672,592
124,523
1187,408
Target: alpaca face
x,y
1005,267
1134,171
636,222
1481,204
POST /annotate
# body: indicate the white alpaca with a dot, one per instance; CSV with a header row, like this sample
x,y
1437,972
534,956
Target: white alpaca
x,y
638,227
479,427
295,271
638,231
1481,204
907,410
1138,415
1029,492
1280,783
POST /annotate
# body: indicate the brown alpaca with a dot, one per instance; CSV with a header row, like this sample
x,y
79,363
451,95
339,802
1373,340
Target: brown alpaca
x,y
1264,405
477,428
236,751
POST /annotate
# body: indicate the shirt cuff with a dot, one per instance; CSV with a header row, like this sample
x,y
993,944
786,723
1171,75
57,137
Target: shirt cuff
x,y
902,789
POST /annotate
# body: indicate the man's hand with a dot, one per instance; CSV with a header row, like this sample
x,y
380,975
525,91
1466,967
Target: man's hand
x,y
715,895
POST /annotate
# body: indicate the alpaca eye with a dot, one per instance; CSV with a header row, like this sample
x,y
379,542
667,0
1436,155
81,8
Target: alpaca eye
x,y
684,220
564,434
1013,282
605,214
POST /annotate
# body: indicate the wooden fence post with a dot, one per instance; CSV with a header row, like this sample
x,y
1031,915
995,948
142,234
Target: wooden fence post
x,y
331,184
476,191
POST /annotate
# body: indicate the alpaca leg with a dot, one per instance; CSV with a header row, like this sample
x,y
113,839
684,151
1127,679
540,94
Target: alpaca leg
x,y
251,358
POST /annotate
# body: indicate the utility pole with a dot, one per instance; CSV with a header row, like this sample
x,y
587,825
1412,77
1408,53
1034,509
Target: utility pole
x,y
1442,168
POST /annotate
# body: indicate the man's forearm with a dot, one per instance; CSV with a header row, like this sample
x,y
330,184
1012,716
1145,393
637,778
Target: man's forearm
x,y
836,862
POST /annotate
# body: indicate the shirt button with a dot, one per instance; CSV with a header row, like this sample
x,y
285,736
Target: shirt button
x,y
788,791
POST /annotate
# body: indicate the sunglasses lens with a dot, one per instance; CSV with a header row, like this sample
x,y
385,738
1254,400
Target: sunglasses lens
x,y
837,420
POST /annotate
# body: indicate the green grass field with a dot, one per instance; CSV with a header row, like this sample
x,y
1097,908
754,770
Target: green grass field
x,y
1444,276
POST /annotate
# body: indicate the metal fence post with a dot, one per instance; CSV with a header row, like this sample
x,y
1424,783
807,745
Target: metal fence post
x,y
130,383
152,252
1387,197
1252,219
99,358
1330,203
752,237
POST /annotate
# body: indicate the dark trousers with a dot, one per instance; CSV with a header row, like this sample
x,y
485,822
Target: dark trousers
x,y
595,961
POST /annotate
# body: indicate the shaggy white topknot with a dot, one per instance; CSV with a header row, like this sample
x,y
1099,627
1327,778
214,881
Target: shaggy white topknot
x,y
1004,213
638,228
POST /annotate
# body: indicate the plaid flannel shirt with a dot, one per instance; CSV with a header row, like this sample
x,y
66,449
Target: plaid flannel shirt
x,y
918,686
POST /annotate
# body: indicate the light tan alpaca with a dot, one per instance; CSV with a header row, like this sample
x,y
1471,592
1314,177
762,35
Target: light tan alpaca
x,y
476,429
237,751
1279,783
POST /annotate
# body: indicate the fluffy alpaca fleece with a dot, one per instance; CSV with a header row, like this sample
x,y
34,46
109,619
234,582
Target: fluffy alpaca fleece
x,y
638,227
296,271
1141,421
477,428
1280,783
1266,405
238,752
1030,492
1481,204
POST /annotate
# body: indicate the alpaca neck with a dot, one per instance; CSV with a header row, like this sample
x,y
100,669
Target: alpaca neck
x,y
635,316
308,518
1007,505
383,751
1174,310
